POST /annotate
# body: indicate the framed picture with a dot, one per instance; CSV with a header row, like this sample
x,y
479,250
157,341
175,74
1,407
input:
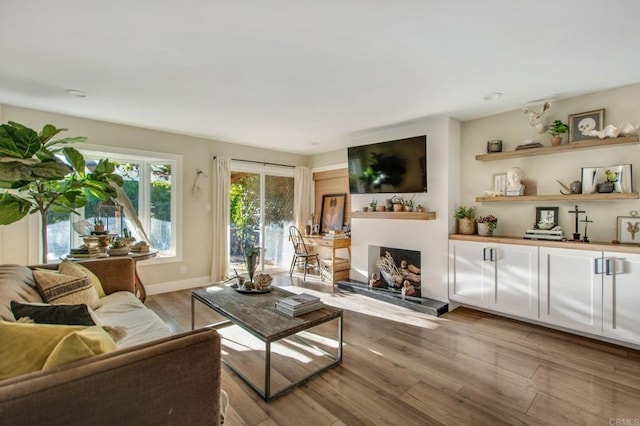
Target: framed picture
x,y
547,214
332,213
585,122
618,177
629,228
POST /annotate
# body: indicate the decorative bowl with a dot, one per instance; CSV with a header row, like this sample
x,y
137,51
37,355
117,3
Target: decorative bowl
x,y
546,225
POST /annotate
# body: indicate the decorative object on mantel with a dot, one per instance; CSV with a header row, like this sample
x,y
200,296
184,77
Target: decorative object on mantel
x,y
580,125
486,225
537,120
629,228
586,222
528,144
398,203
466,219
408,204
556,129
576,211
373,204
515,187
611,131
494,146
574,187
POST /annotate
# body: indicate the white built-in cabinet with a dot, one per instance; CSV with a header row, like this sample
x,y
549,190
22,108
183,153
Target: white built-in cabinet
x,y
592,291
501,277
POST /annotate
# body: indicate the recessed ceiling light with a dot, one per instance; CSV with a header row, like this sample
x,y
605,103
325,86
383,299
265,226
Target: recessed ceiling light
x,y
315,143
76,93
492,96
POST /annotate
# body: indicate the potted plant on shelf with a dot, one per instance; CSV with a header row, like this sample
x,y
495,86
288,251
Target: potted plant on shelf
x,y
408,204
39,174
398,203
98,226
466,219
606,187
373,204
556,129
486,225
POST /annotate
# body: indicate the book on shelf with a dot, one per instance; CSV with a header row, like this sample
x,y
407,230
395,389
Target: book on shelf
x,y
300,310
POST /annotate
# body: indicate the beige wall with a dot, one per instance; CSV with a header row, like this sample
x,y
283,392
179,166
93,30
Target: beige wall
x,y
620,104
197,154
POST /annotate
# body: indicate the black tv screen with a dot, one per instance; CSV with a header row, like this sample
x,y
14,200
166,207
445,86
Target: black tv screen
x,y
398,166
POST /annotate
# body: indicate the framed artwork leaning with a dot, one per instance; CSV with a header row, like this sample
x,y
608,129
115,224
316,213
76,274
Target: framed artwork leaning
x,y
332,212
629,228
584,122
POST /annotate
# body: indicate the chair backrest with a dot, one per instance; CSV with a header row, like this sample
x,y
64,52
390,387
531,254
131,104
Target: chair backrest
x,y
298,242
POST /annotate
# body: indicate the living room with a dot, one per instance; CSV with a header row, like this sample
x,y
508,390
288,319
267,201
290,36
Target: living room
x,y
454,177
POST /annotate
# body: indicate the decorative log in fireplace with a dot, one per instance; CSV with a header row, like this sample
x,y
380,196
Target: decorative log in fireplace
x,y
405,279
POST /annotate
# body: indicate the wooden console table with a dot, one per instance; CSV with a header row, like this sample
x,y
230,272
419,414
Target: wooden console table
x,y
319,241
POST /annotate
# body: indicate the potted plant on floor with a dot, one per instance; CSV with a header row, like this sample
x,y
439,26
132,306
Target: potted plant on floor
x,y
486,225
556,129
39,174
466,219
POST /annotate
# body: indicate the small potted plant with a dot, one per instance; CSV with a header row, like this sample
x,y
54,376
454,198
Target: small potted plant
x,y
486,225
398,203
466,219
408,204
373,204
607,186
98,226
556,129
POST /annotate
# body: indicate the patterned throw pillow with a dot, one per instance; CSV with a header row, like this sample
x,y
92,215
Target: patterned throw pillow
x,y
69,285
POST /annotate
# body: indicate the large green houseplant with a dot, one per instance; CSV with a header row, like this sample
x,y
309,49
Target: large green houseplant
x,y
39,174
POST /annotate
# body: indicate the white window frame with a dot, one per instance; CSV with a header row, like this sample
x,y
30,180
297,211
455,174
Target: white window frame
x,y
113,153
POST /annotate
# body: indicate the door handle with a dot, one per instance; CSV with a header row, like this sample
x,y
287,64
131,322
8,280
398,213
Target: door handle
x,y
492,256
598,268
607,267
484,254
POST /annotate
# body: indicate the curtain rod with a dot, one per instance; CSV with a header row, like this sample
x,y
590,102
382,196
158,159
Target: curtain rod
x,y
260,162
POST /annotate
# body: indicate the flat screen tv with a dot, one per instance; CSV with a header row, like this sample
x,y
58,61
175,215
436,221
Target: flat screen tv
x,y
397,166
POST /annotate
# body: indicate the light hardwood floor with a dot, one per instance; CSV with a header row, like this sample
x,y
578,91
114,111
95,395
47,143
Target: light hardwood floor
x,y
406,368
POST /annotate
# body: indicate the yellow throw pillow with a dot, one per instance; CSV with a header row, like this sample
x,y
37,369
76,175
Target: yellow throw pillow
x,y
68,286
94,279
25,348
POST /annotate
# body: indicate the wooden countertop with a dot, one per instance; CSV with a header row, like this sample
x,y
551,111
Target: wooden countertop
x,y
594,246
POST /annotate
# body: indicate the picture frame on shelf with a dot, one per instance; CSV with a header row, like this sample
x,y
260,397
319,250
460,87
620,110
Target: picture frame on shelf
x,y
547,214
584,122
332,212
594,177
629,228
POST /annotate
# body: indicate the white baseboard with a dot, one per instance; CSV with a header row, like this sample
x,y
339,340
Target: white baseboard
x,y
176,285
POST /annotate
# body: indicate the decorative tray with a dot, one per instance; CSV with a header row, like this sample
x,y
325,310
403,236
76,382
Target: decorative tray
x,y
253,290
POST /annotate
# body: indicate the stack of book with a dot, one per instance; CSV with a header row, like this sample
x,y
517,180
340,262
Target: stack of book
x,y
84,251
335,235
298,304
555,234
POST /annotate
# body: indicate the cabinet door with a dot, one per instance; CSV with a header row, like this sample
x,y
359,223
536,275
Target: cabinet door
x,y
621,296
471,273
571,288
515,290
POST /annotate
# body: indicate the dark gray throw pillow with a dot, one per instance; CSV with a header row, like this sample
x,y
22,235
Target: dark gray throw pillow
x,y
53,314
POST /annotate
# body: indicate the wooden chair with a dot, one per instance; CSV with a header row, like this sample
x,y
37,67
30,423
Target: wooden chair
x,y
301,254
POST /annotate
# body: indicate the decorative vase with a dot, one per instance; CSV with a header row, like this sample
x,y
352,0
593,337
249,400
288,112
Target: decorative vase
x,y
380,208
556,140
466,226
408,208
398,207
251,261
605,187
484,230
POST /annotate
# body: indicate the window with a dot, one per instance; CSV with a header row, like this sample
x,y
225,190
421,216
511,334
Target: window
x,y
150,182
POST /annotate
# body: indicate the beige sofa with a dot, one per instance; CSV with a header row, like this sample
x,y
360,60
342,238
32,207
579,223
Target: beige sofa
x,y
153,377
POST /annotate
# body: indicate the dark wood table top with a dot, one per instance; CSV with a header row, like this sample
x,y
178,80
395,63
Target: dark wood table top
x,y
256,312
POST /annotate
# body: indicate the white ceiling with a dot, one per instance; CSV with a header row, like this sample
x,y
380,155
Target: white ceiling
x,y
304,76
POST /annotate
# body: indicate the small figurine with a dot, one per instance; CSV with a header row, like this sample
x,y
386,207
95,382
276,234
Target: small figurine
x,y
537,120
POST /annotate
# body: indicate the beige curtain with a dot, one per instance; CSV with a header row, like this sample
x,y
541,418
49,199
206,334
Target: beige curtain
x,y
220,217
302,196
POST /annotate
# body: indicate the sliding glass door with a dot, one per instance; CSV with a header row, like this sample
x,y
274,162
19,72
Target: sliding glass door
x,y
261,211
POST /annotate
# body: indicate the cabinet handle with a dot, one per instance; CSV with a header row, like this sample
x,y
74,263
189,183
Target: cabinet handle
x,y
492,256
484,254
607,267
598,269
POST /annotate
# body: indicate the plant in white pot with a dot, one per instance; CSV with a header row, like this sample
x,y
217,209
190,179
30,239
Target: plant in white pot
x,y
39,174
486,225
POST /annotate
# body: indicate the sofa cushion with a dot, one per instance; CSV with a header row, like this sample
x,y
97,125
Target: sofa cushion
x,y
43,313
94,279
16,283
68,285
124,309
31,347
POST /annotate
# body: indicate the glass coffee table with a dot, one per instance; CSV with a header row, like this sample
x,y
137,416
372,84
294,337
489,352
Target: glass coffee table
x,y
256,314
